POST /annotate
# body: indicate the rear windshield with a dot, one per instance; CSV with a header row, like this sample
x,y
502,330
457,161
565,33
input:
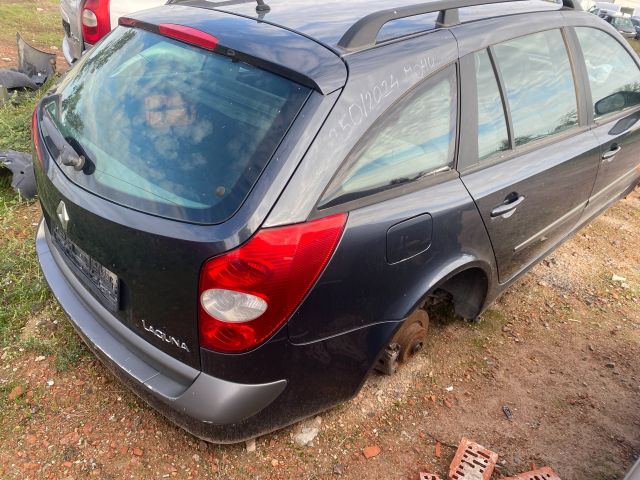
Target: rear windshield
x,y
170,129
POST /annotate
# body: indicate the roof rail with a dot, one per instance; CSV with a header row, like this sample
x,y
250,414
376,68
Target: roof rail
x,y
364,32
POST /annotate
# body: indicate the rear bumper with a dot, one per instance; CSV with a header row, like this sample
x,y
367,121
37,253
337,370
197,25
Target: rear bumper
x,y
202,404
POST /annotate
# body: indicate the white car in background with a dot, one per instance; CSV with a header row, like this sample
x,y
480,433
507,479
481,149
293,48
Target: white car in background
x,y
605,8
85,22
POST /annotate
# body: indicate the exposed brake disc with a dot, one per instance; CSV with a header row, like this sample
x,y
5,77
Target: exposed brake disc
x,y
407,341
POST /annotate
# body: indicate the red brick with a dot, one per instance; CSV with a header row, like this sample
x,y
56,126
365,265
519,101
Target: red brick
x,y
428,476
544,473
472,462
372,451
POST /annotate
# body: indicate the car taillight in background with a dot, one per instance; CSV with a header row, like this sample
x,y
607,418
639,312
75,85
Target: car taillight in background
x,y
248,293
96,20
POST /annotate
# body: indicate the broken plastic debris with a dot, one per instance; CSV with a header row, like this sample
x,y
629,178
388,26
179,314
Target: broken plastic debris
x,y
33,70
21,166
507,412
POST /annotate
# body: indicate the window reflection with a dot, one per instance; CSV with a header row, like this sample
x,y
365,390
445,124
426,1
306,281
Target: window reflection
x,y
492,126
610,67
539,85
172,129
413,139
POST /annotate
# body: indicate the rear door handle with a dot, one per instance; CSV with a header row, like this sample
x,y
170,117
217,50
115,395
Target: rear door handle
x,y
609,154
508,207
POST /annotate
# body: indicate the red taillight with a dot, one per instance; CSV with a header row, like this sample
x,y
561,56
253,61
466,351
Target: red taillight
x,y
96,20
188,35
35,136
271,273
179,32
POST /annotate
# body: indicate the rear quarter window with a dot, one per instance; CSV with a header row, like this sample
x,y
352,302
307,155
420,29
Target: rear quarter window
x,y
414,138
171,129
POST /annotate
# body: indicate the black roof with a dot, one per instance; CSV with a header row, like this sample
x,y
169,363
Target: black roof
x,y
328,21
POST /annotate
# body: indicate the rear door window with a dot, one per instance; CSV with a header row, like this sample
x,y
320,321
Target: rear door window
x,y
614,77
539,85
416,137
171,129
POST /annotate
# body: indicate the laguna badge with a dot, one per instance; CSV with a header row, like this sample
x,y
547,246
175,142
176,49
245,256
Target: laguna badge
x,y
164,337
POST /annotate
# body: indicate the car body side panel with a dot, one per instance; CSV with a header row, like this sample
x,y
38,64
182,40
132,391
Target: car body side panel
x,y
617,130
618,173
377,79
552,178
380,291
555,182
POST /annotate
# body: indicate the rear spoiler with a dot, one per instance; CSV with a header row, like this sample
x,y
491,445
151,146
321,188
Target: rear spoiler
x,y
263,45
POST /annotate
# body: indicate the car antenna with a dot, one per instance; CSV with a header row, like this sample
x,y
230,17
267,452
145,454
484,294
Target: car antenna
x,y
262,7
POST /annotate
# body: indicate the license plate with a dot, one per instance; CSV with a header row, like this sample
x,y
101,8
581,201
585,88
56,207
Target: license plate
x,y
99,279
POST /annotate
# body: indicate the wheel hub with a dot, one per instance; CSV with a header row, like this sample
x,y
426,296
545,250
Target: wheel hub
x,y
407,341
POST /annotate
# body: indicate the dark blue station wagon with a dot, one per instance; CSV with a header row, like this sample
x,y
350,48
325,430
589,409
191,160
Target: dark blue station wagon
x,y
248,207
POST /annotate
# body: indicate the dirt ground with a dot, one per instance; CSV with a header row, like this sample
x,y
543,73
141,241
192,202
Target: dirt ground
x,y
561,349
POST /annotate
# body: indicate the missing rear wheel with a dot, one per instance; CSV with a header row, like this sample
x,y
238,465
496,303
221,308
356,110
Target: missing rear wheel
x,y
407,341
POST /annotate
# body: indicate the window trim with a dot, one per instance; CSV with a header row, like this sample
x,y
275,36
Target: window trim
x,y
582,76
469,156
586,86
468,115
324,207
506,107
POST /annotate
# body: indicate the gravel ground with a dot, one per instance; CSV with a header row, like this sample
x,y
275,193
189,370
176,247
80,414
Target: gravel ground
x,y
561,348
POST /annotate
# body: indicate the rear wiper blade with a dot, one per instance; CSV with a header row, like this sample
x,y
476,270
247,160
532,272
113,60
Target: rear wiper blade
x,y
67,155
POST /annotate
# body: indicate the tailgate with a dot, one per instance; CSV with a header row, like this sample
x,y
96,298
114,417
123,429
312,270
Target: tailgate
x,y
156,294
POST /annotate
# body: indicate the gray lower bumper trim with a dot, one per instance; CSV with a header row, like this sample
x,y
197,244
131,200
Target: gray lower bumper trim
x,y
187,390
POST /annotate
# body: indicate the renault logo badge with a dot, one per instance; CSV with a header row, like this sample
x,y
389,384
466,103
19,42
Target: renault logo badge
x,y
63,216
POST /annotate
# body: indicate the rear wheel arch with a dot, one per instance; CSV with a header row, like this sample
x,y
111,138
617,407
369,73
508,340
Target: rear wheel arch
x,y
466,286
467,290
